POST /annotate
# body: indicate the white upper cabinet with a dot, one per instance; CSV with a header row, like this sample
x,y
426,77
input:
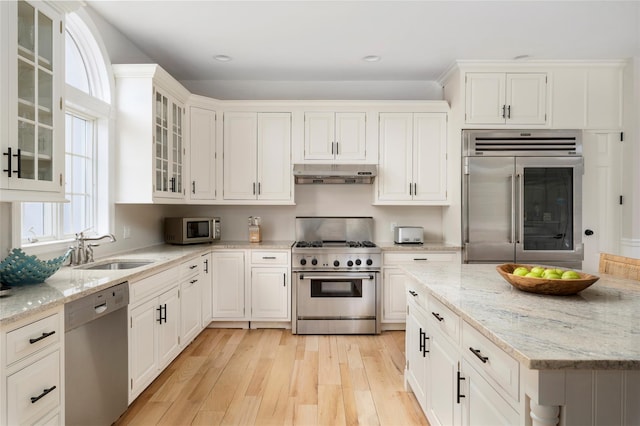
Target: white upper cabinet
x,y
257,157
413,159
202,154
588,97
31,114
505,98
150,134
335,136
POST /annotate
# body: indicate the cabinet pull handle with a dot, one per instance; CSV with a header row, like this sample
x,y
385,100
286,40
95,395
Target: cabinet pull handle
x,y
193,266
35,399
410,189
259,188
19,170
173,184
193,281
159,314
284,280
413,293
438,317
269,257
509,111
415,189
193,187
206,266
477,353
504,114
8,169
337,148
423,343
254,188
420,259
458,394
332,144
44,336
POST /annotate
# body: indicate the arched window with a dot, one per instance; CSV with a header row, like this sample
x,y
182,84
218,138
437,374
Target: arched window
x,y
88,83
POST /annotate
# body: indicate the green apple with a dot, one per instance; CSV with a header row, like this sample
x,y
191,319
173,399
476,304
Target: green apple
x,y
549,271
533,274
520,271
553,276
570,275
538,270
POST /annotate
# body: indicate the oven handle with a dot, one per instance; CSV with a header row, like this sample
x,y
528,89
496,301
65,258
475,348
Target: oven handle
x,y
337,277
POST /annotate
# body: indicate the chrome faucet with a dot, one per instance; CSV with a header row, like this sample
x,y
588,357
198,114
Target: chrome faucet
x,y
82,252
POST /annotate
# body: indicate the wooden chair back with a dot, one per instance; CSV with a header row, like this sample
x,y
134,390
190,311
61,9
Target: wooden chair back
x,y
619,266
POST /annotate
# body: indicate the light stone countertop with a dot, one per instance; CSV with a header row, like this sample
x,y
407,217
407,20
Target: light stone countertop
x,y
599,328
71,283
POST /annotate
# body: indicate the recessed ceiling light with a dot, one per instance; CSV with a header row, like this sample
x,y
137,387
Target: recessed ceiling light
x,y
371,58
222,58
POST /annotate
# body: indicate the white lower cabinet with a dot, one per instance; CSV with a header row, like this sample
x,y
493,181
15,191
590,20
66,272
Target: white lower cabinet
x,y
32,370
154,328
269,294
394,299
206,275
228,285
481,404
251,285
190,301
457,375
418,347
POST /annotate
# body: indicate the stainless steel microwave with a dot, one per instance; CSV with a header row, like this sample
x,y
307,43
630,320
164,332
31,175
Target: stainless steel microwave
x,y
191,230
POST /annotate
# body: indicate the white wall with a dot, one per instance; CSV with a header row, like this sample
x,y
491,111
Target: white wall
x,y
316,90
278,222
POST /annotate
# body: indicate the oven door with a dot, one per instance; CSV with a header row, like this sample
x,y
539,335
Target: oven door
x,y
337,303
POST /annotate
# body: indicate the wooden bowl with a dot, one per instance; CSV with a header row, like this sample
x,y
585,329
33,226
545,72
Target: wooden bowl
x,y
543,285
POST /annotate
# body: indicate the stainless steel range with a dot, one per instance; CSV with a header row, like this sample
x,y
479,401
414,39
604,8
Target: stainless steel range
x,y
335,269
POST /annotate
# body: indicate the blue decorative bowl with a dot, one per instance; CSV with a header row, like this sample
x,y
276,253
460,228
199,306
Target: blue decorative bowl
x,y
18,268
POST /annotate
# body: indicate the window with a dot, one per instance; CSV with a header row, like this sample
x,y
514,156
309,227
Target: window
x,y
86,140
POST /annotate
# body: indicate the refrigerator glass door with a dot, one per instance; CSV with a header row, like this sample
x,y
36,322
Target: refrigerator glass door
x,y
548,191
488,217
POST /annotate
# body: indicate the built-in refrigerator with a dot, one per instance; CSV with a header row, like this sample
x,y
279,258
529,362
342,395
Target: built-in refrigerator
x,y
522,197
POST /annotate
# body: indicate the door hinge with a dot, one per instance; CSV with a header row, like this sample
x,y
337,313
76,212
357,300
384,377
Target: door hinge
x,y
621,136
131,383
60,179
407,366
60,27
130,322
621,201
60,102
178,340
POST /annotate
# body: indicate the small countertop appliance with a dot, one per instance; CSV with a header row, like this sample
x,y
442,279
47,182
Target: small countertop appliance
x,y
408,235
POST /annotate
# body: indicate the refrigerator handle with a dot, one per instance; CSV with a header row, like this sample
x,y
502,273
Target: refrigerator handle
x,y
512,230
519,209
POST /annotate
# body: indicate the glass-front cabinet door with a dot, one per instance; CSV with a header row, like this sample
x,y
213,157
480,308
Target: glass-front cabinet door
x,y
168,146
34,155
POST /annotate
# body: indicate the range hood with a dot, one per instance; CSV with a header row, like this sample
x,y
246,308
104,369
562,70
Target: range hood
x,y
334,173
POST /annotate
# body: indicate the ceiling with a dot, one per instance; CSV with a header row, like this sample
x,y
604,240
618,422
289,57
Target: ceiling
x,y
326,40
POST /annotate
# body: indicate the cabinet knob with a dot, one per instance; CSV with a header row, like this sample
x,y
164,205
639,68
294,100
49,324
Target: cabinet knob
x,y
588,232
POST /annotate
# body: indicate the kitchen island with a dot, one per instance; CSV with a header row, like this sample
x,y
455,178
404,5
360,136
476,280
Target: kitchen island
x,y
541,360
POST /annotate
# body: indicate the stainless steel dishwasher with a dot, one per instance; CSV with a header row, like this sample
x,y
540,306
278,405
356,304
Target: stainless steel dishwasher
x,y
96,353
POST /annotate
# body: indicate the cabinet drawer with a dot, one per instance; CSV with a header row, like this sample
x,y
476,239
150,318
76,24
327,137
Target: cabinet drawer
x,y
490,360
153,285
34,391
269,257
424,256
190,267
31,338
416,292
444,319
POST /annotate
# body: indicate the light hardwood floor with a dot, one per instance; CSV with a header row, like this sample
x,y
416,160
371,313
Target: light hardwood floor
x,y
271,377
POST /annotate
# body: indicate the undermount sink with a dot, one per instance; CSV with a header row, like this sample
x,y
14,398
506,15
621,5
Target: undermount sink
x,y
115,265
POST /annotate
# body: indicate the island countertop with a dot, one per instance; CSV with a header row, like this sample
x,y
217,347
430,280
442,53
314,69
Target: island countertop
x,y
599,328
